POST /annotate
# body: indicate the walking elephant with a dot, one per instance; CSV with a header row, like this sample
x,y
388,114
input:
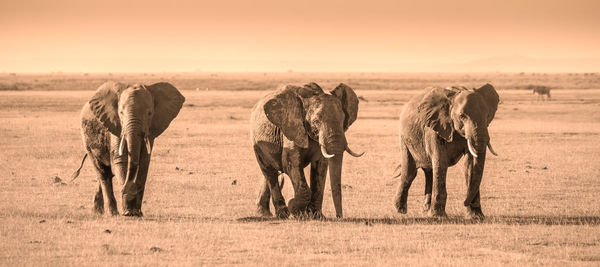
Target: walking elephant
x,y
438,127
541,91
296,126
118,125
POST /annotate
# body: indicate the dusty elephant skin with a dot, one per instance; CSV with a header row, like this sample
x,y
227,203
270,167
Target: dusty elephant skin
x,y
118,125
297,126
438,127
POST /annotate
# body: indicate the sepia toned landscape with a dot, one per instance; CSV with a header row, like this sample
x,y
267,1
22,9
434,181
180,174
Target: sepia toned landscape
x,y
540,195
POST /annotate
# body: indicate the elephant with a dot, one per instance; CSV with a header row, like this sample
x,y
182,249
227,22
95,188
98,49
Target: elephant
x,y
118,126
295,126
438,127
541,91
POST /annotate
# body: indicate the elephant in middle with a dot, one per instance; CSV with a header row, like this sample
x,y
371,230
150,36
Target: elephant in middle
x,y
296,126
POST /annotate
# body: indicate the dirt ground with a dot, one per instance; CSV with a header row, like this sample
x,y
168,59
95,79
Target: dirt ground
x,y
540,195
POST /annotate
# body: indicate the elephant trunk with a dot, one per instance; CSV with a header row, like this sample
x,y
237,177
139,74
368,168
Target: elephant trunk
x,y
335,144
479,142
133,137
335,177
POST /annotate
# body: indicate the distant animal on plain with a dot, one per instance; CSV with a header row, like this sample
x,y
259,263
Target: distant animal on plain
x,y
118,125
541,91
297,126
437,128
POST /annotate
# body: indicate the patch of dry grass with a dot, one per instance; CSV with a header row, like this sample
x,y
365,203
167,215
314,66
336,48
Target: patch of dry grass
x,y
540,195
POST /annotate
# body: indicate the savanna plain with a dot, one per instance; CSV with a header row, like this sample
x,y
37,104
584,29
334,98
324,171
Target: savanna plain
x,y
540,195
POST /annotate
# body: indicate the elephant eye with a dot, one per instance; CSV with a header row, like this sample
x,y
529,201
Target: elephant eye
x,y
149,113
463,116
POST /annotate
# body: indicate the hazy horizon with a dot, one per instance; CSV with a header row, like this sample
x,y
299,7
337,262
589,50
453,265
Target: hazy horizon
x,y
307,36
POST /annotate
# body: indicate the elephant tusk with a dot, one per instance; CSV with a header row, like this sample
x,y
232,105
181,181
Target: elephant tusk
x,y
491,149
121,145
325,154
281,178
148,147
354,154
471,149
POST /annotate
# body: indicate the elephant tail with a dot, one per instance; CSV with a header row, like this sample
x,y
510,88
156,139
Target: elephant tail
x,y
398,171
76,173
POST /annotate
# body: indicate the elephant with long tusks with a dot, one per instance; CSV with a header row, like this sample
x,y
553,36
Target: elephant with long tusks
x,y
118,125
297,126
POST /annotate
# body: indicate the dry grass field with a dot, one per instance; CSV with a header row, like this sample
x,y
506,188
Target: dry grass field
x,y
540,195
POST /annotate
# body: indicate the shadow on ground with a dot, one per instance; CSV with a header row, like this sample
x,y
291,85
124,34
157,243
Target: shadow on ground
x,y
177,218
502,219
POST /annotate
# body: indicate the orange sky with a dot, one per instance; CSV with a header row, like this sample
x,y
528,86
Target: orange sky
x,y
259,35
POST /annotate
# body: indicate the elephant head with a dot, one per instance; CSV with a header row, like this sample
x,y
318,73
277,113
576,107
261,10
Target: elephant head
x,y
137,114
468,113
307,112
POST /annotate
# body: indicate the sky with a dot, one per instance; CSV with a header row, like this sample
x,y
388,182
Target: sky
x,y
261,35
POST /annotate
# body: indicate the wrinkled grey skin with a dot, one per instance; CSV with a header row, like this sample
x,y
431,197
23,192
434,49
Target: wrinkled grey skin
x,y
541,91
434,128
135,114
288,129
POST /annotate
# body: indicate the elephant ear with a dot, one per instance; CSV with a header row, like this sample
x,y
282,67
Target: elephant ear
x,y
284,109
349,103
491,99
104,104
434,111
167,103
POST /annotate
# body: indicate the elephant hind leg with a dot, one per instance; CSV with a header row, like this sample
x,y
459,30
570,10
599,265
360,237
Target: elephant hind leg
x,y
270,188
264,197
99,201
428,189
105,196
408,172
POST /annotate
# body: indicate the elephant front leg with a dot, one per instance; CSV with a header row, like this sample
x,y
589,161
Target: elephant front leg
x,y
302,195
439,194
318,174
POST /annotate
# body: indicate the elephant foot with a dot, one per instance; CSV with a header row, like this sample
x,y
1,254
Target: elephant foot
x,y
282,213
114,212
263,212
98,210
302,215
133,213
401,208
474,213
437,213
98,204
297,207
400,204
315,214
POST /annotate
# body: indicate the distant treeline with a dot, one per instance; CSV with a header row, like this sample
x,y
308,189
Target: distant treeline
x,y
268,81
